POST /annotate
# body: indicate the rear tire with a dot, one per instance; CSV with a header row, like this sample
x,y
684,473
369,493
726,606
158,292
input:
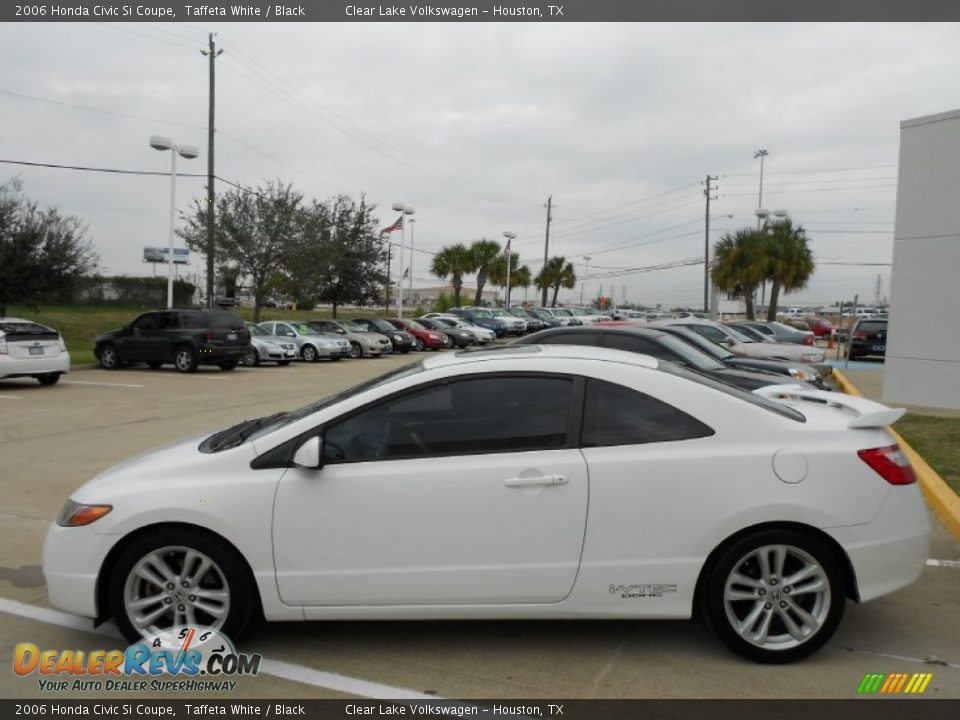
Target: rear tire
x,y
775,596
48,378
356,351
283,363
185,360
251,358
226,584
109,357
228,366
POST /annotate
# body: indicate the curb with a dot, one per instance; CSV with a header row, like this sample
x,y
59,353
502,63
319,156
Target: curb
x,y
939,495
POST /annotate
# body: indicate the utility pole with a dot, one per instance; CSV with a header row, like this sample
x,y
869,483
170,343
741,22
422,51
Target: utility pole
x,y
386,302
212,53
707,190
761,154
546,249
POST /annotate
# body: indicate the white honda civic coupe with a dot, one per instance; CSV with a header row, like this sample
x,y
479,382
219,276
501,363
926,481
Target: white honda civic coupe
x,y
524,482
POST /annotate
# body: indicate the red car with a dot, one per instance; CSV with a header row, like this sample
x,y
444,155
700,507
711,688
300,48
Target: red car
x,y
820,327
424,337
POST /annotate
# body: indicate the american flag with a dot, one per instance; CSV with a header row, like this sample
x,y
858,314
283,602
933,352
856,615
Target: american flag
x,y
398,225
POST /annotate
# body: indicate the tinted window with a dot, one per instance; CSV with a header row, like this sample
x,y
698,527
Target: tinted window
x,y
632,343
481,415
572,338
169,321
223,320
150,321
872,326
616,415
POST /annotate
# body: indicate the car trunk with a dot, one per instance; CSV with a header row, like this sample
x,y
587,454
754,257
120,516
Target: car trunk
x,y
26,340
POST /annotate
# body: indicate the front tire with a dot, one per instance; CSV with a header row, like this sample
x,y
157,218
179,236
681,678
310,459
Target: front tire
x,y
283,363
420,346
109,357
171,577
356,352
309,353
775,596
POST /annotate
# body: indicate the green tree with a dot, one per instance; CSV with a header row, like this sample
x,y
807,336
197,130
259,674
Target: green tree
x,y
484,253
339,257
43,253
254,233
519,274
453,261
555,274
789,261
740,265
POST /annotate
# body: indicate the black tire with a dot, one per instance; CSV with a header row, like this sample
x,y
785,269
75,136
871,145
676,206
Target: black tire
x,y
243,600
154,365
185,359
48,378
338,358
773,598
420,346
283,363
251,358
109,357
356,352
228,365
309,353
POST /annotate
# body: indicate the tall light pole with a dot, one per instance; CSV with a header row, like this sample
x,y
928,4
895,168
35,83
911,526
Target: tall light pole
x,y
761,154
406,210
188,152
583,284
509,236
410,280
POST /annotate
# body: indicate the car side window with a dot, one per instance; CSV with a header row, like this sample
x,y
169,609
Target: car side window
x,y
631,343
477,415
573,338
146,322
711,333
616,415
285,330
169,321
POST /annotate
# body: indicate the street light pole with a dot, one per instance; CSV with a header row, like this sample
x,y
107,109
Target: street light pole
x,y
188,152
586,273
506,297
406,210
761,154
410,283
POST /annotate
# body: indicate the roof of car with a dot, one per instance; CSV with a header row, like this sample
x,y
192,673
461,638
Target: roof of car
x,y
537,353
604,326
14,319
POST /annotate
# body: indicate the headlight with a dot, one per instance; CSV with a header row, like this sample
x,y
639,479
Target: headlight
x,y
433,336
397,338
76,515
810,357
798,374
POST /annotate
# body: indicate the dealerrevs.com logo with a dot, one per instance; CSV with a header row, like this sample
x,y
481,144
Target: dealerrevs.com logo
x,y
894,683
185,659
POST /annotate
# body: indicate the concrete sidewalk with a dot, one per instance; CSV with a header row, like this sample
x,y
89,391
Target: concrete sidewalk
x,y
869,381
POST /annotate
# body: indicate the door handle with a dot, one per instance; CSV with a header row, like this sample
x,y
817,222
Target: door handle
x,y
540,480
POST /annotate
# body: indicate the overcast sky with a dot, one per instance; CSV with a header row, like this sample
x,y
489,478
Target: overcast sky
x,y
476,124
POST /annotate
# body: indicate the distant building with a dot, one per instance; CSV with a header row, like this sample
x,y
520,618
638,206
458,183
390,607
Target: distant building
x,y
429,295
923,343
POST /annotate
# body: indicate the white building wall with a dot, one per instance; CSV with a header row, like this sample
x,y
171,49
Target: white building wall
x,y
923,347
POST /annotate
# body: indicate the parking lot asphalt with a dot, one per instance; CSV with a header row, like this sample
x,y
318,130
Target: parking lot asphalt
x,y
54,439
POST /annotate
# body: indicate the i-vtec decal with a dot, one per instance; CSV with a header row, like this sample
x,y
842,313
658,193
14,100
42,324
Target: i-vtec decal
x,y
641,591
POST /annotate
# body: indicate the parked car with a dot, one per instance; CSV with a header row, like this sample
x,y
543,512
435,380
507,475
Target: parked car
x,y
312,343
740,344
424,338
186,338
797,371
265,346
553,318
460,337
482,317
658,344
362,343
530,482
562,312
820,327
776,332
587,316
402,341
29,349
533,322
625,314
869,337
483,335
515,325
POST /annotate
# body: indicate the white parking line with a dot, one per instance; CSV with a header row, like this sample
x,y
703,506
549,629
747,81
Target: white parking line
x,y
276,668
944,563
9,397
205,376
84,382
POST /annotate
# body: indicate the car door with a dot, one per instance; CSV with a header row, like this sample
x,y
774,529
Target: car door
x,y
166,335
140,343
465,492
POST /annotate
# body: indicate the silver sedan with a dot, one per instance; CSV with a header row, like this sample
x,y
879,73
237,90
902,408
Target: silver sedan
x,y
311,343
266,347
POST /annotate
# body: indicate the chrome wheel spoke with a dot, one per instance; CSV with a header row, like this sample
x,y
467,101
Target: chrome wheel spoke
x,y
190,615
146,620
740,579
795,630
750,620
809,621
815,587
763,557
759,636
804,573
737,595
779,559
215,610
146,602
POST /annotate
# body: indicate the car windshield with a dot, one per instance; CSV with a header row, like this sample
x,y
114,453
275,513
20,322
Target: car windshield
x,y
382,325
482,313
757,400
500,313
750,332
349,325
562,311
577,311
691,355
740,336
416,325
444,322
250,430
785,328
519,312
304,329
710,348
542,314
256,330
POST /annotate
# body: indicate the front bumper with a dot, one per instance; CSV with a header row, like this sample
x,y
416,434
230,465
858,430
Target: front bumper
x,y
72,558
335,351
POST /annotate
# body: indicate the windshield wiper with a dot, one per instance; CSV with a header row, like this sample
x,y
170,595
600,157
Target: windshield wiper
x,y
236,434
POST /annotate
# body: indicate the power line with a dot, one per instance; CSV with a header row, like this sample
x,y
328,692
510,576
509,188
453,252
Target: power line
x,y
85,168
815,190
112,26
814,172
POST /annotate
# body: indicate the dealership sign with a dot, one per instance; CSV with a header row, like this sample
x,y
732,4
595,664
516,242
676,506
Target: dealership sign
x,y
181,256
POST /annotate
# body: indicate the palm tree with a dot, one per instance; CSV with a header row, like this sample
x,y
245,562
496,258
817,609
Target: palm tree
x,y
789,261
454,261
555,274
484,253
518,273
740,265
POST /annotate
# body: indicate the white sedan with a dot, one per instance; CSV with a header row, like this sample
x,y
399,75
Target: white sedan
x,y
458,487
28,349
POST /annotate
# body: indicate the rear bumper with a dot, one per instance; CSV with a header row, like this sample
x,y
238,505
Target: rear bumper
x,y
216,354
30,366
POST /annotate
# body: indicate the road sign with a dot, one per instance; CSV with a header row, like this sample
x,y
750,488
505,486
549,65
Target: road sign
x,y
181,256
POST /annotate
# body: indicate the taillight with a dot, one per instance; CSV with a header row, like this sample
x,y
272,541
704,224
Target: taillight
x,y
890,463
208,336
860,335
808,339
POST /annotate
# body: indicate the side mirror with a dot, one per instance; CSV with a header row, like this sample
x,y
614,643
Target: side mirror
x,y
308,455
727,341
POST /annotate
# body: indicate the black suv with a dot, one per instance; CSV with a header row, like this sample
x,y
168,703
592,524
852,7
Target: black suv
x,y
869,337
186,338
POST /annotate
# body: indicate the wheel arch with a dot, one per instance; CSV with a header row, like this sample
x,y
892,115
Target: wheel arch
x,y
849,575
106,569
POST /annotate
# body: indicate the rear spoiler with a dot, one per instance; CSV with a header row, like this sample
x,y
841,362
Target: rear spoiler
x,y
867,413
